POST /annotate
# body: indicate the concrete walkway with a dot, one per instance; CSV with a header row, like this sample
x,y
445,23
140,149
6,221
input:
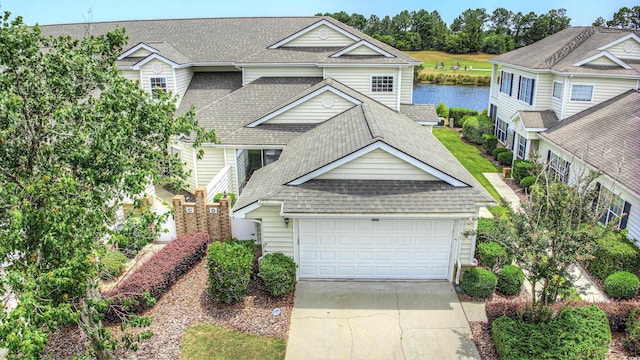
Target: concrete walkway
x,y
378,320
503,189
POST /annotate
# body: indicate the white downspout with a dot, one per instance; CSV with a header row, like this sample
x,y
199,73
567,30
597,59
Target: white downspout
x,y
458,260
564,97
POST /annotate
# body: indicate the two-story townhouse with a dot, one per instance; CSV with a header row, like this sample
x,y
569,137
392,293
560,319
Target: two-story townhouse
x,y
318,136
562,82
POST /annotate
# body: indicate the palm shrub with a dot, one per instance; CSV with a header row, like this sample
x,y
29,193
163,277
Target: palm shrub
x,y
489,143
632,340
492,255
622,285
478,282
229,265
278,272
510,279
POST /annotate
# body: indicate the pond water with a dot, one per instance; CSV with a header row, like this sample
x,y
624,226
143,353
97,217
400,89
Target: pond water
x,y
472,97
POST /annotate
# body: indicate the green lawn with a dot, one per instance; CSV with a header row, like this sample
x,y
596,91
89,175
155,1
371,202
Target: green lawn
x,y
431,58
206,341
469,156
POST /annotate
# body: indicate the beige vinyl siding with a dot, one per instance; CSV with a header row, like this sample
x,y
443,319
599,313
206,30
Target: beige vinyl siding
x,y
556,104
377,165
133,75
542,90
466,248
406,86
231,161
363,50
146,73
314,110
252,73
183,78
211,163
619,52
360,80
186,155
276,236
603,61
142,52
313,39
603,89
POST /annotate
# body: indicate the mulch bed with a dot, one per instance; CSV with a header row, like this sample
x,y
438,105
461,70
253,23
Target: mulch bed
x,y
188,303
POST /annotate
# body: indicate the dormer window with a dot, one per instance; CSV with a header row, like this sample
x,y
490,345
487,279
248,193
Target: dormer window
x,y
382,83
158,84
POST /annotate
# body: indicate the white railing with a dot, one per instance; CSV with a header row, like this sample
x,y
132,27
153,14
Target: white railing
x,y
220,183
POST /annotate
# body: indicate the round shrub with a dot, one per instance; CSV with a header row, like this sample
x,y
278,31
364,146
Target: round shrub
x,y
521,169
112,264
615,253
218,196
478,282
498,151
229,265
510,279
489,143
492,255
442,111
622,285
505,158
632,340
528,181
278,272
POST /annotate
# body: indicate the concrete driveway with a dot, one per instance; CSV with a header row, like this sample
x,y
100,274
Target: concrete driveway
x,y
378,320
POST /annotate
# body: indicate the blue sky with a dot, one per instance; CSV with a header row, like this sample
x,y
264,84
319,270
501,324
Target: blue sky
x,y
70,11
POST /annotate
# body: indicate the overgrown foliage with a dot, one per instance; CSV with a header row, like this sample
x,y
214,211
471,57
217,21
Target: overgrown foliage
x,y
632,340
614,252
76,138
111,264
278,272
442,111
474,127
229,265
478,282
576,333
622,285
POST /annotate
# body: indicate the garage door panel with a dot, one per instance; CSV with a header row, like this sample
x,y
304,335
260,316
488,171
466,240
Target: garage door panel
x,y
383,249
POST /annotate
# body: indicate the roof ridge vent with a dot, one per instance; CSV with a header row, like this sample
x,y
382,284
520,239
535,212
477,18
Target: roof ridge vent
x,y
574,43
370,120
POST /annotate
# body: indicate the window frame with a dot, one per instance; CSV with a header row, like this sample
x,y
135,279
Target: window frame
x,y
382,88
508,90
573,87
522,147
526,91
163,85
502,130
557,85
616,207
559,169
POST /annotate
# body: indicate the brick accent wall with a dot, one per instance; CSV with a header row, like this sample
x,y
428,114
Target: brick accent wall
x,y
200,216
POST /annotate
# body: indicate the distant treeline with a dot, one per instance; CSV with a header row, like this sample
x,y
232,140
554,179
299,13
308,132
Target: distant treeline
x,y
475,30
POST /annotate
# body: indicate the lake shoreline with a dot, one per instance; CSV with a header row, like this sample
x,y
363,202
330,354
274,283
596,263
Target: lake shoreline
x,y
453,95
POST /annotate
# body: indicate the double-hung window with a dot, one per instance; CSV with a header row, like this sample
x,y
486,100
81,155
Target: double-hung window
x,y
616,209
501,130
581,92
558,168
506,82
382,83
558,87
158,84
522,146
525,92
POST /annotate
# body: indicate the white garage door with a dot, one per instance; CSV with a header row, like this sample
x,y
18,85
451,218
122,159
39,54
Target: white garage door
x,y
369,249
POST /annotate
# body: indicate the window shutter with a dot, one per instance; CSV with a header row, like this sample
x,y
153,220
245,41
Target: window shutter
x,y
501,79
511,85
533,86
548,156
625,211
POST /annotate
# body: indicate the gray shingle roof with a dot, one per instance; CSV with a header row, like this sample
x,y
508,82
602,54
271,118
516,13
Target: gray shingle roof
x,y
266,134
538,119
563,49
344,134
420,112
606,136
220,40
208,87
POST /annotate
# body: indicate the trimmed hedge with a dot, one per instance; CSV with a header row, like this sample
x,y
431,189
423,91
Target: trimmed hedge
x,y
442,111
632,340
278,272
218,196
497,151
528,181
458,113
475,126
622,285
157,274
510,280
229,265
577,333
521,169
111,265
615,253
505,158
492,255
489,143
478,282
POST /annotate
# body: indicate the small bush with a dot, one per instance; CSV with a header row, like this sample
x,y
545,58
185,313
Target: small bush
x,y
442,111
111,265
157,274
505,158
577,333
483,232
528,181
497,152
492,255
229,265
218,196
478,282
474,127
632,340
489,143
278,272
615,253
521,169
458,113
622,285
510,279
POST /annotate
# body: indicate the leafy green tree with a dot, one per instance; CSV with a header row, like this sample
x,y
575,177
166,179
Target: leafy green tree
x,y
471,23
358,22
497,44
625,18
500,21
76,138
431,28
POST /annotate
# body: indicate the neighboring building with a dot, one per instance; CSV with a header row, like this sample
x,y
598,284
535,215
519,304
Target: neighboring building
x,y
318,135
571,101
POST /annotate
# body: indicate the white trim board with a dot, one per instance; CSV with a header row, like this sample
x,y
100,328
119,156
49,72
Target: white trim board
x,y
310,28
154,56
615,42
136,48
607,55
365,44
